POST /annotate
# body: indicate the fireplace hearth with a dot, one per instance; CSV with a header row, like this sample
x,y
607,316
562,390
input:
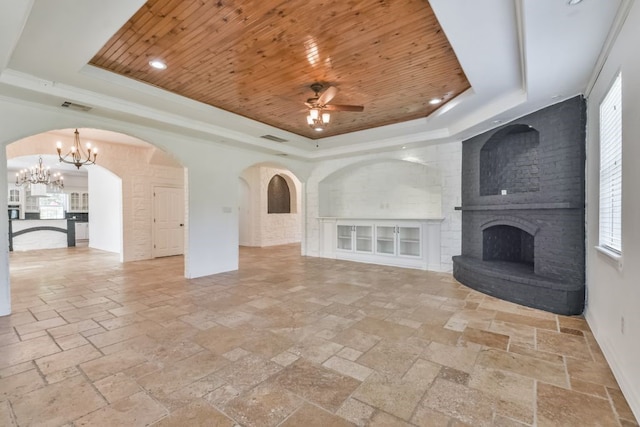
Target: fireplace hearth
x,y
523,210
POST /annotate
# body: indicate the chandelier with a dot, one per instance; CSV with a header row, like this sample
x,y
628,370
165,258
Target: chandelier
x,y
317,119
39,175
76,155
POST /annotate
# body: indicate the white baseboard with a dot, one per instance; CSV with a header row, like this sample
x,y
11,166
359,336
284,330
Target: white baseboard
x,y
628,388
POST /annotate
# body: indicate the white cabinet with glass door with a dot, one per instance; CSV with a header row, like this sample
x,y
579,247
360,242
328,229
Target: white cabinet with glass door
x,y
15,195
354,237
78,201
402,243
399,240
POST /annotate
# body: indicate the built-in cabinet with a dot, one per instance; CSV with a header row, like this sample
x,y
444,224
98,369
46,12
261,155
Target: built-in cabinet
x,y
15,195
31,203
78,201
82,230
400,242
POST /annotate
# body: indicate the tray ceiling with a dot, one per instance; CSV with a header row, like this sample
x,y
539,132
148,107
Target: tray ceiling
x,y
258,58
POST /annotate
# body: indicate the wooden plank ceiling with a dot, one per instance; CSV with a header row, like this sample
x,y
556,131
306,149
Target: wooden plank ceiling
x,y
257,58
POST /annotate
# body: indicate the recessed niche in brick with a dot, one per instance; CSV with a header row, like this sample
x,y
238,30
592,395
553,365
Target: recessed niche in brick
x,y
507,243
509,161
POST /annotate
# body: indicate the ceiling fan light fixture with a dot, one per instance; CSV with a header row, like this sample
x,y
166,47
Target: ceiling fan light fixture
x,y
435,101
318,129
310,120
314,113
326,117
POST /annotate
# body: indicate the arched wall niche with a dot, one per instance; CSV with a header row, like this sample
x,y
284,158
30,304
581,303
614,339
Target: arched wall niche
x,y
382,188
278,195
259,227
509,161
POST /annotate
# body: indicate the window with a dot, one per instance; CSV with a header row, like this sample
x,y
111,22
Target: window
x,y
278,196
611,169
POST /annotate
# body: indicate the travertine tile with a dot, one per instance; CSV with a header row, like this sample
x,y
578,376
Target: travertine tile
x,y
347,367
397,396
111,364
58,403
137,409
6,416
175,376
591,372
246,347
312,416
263,406
23,351
196,414
564,344
319,385
524,365
460,402
116,387
356,412
67,359
557,406
248,371
19,384
514,395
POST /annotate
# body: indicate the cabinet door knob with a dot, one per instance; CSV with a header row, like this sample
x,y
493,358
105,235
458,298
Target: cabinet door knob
x,y
181,225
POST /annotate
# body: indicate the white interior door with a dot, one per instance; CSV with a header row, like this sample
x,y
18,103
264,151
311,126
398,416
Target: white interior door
x,y
168,221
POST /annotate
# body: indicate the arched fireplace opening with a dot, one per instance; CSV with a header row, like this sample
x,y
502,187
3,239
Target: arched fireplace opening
x,y
508,243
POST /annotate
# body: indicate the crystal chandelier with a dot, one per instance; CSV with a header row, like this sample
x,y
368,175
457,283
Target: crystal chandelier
x,y
38,174
76,155
317,119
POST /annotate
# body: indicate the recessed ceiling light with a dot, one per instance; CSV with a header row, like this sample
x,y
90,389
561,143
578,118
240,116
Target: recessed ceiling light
x,y
435,101
573,2
404,147
158,65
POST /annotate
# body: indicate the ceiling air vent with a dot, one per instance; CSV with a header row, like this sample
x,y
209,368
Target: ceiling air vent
x,y
273,138
74,106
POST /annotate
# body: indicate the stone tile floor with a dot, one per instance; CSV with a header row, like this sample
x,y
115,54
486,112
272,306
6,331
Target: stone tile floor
x,y
286,341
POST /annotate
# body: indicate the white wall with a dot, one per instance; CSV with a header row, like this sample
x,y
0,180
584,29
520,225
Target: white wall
x,y
210,175
245,214
385,189
261,228
614,294
443,161
105,210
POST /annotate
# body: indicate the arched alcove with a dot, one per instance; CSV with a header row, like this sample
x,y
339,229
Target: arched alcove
x,y
270,197
384,188
509,161
278,196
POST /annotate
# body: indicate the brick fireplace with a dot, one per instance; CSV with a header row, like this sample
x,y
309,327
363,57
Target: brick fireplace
x,y
523,210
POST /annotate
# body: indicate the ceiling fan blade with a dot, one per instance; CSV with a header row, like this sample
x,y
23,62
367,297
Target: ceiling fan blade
x,y
327,95
355,108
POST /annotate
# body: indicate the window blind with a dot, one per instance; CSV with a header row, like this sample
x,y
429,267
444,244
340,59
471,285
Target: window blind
x,y
611,168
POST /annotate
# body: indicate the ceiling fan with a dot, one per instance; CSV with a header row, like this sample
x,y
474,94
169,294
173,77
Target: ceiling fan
x,y
319,106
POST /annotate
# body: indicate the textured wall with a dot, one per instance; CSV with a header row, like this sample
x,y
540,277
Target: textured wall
x,y
260,227
547,201
387,189
443,159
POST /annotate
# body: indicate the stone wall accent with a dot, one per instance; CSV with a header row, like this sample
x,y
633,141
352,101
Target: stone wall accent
x,y
539,160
